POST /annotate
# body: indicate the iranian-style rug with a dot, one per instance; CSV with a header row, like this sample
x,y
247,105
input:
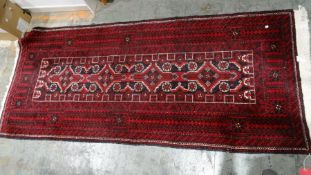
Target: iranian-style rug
x,y
226,82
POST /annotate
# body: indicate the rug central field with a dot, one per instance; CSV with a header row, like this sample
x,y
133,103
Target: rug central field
x,y
228,82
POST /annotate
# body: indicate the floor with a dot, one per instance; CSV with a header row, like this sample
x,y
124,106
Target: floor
x,y
29,157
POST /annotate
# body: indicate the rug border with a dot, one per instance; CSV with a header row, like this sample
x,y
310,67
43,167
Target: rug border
x,y
224,148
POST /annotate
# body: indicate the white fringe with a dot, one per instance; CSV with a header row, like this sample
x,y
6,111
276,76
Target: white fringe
x,y
304,59
7,88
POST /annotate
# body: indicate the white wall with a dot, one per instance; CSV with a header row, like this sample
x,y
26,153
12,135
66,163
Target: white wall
x,y
56,5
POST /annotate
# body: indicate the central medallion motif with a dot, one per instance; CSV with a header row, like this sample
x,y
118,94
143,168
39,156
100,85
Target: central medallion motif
x,y
218,77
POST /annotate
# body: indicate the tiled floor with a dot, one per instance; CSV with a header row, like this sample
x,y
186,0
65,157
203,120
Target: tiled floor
x,y
29,157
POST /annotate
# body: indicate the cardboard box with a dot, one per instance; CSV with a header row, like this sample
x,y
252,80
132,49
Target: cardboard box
x,y
4,35
14,21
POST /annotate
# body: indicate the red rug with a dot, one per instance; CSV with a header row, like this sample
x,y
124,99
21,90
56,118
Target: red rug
x,y
227,82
